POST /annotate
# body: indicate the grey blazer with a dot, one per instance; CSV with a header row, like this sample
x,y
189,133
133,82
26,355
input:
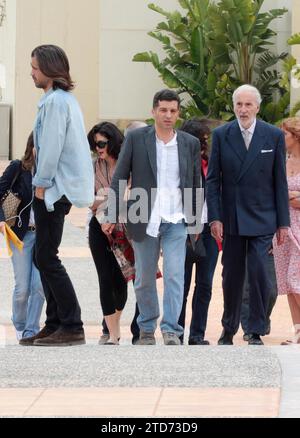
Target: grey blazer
x,y
137,160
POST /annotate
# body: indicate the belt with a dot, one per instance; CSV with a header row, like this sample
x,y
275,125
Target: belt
x,y
31,228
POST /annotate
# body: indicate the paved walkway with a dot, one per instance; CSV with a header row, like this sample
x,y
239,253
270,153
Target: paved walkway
x,y
134,381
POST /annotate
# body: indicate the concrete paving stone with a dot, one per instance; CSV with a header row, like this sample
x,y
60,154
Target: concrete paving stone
x,y
219,402
144,402
98,402
14,402
141,366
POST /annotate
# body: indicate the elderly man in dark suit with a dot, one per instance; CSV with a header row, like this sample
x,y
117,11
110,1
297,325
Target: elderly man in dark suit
x,y
247,201
164,167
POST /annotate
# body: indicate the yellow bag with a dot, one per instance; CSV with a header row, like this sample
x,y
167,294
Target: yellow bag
x,y
9,237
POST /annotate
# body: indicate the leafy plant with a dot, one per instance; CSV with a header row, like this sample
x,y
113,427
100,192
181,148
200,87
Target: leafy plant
x,y
2,11
211,48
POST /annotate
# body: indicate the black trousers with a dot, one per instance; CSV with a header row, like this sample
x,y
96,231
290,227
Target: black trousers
x,y
205,268
62,309
236,251
113,287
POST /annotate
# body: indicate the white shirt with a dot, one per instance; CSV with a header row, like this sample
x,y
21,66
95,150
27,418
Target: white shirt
x,y
250,130
168,202
31,218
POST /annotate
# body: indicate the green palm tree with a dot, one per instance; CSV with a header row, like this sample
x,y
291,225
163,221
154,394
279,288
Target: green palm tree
x,y
211,48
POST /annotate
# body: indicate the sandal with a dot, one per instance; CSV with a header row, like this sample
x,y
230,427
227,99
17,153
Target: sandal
x,y
287,342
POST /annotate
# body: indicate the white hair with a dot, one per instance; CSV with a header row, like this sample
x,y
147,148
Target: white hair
x,y
134,125
248,88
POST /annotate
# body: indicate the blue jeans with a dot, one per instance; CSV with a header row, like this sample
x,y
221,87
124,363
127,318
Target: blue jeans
x,y
171,239
28,295
205,268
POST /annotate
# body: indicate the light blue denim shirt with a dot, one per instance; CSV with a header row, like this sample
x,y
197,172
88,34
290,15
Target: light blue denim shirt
x,y
64,164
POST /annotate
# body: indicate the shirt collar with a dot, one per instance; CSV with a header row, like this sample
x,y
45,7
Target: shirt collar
x,y
172,142
251,129
43,99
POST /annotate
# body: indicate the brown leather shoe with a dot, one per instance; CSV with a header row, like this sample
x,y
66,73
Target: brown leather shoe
x,y
61,338
40,335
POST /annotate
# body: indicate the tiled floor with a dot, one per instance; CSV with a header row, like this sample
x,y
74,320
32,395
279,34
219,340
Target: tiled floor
x,y
140,402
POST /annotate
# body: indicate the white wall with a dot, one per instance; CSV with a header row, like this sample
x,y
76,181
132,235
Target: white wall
x,y
127,87
7,51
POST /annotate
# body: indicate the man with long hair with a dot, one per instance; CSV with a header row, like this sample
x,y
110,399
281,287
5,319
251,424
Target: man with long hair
x,y
64,176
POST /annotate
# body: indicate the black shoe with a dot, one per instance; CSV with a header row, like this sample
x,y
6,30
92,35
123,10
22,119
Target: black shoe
x,y
135,339
198,341
226,338
254,339
245,337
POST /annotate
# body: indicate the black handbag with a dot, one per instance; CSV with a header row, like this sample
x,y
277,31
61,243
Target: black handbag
x,y
11,201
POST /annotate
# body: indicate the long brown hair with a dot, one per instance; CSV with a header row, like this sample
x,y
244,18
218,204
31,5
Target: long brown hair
x,y
28,158
54,64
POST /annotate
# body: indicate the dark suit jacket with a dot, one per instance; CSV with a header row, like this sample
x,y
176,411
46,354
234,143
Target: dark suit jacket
x,y
23,186
138,161
247,190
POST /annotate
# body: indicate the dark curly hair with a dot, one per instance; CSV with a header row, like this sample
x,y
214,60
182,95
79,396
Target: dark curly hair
x,y
112,133
200,129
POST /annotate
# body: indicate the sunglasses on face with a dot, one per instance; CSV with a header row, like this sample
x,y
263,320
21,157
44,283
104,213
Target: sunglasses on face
x,y
101,144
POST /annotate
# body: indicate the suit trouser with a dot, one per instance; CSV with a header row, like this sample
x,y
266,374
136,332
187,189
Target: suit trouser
x,y
236,250
272,300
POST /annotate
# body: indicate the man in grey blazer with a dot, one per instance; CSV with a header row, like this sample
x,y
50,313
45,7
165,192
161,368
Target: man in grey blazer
x,y
164,168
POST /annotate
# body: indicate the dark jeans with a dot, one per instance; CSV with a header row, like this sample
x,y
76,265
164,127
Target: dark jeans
x,y
62,309
272,299
113,287
205,268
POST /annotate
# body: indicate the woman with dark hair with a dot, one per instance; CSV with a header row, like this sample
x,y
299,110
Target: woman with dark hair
x,y
28,295
206,263
105,140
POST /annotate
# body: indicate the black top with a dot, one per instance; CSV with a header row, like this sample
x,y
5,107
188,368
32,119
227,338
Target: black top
x,y
22,186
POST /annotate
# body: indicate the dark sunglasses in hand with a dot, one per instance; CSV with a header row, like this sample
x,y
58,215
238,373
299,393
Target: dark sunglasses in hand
x,y
101,144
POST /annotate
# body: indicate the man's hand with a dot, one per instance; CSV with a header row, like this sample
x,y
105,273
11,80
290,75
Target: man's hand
x,y
40,193
2,226
108,228
216,230
281,235
295,203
